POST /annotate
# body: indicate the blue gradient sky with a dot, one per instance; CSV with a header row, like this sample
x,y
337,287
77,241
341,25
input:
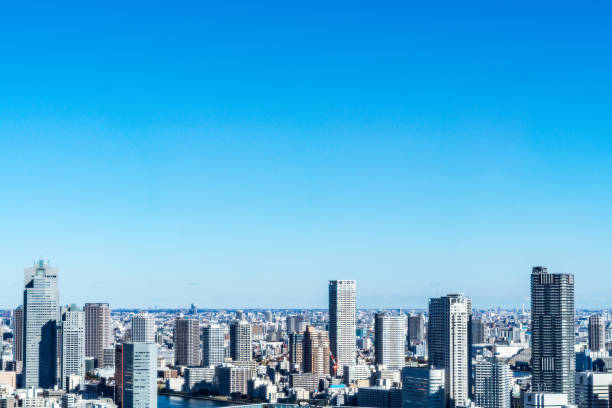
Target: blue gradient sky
x,y
240,154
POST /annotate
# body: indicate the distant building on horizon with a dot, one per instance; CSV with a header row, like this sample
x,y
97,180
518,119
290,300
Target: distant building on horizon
x,y
552,332
342,322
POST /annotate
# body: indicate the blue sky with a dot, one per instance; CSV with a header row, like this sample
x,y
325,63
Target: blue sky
x,y
241,154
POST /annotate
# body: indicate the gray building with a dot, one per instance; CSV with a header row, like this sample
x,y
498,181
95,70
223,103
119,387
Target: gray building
x,y
73,349
213,344
241,348
186,342
552,332
416,329
448,338
492,383
98,331
390,340
380,397
423,388
592,389
342,322
18,334
597,333
41,313
139,379
296,340
478,331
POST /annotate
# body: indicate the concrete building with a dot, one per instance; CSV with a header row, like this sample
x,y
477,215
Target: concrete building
x,y
73,349
232,380
492,383
296,352
389,340
342,322
423,388
199,378
241,335
119,375
143,328
315,351
552,332
139,377
380,397
18,334
592,389
478,331
416,329
186,342
597,333
545,400
213,345
448,341
98,331
295,323
353,374
41,313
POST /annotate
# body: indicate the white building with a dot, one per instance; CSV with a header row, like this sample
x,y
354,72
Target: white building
x,y
143,328
73,349
592,389
213,345
492,384
545,400
342,326
389,340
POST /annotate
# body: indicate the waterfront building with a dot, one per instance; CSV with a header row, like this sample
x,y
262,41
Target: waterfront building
x,y
233,379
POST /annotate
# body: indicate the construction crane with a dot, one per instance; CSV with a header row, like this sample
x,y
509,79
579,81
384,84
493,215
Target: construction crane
x,y
333,359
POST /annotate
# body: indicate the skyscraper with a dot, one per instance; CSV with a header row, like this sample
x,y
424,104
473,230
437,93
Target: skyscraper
x,y
342,325
139,379
552,332
119,375
315,351
389,340
478,331
493,383
423,388
143,328
597,333
448,342
41,312
186,342
213,347
18,334
416,329
241,335
98,331
73,348
296,351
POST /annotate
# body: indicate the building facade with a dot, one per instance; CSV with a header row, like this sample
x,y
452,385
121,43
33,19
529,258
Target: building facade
x,y
492,384
389,340
315,351
139,379
423,388
213,345
342,322
143,328
98,331
597,333
552,332
241,338
73,349
186,342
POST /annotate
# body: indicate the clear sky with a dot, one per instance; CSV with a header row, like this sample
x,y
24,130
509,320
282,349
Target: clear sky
x,y
241,154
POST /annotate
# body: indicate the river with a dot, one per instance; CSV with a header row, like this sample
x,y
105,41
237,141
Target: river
x,y
167,401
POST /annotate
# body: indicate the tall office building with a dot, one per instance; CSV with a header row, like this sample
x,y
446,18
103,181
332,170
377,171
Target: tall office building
x,y
552,332
40,315
478,331
73,349
98,331
592,389
143,328
139,378
315,350
18,334
296,350
492,384
448,343
597,333
423,388
416,329
342,322
241,337
186,342
119,375
213,345
295,323
389,340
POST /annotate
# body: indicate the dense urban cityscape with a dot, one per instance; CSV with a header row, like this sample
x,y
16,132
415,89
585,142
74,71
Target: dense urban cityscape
x,y
450,354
